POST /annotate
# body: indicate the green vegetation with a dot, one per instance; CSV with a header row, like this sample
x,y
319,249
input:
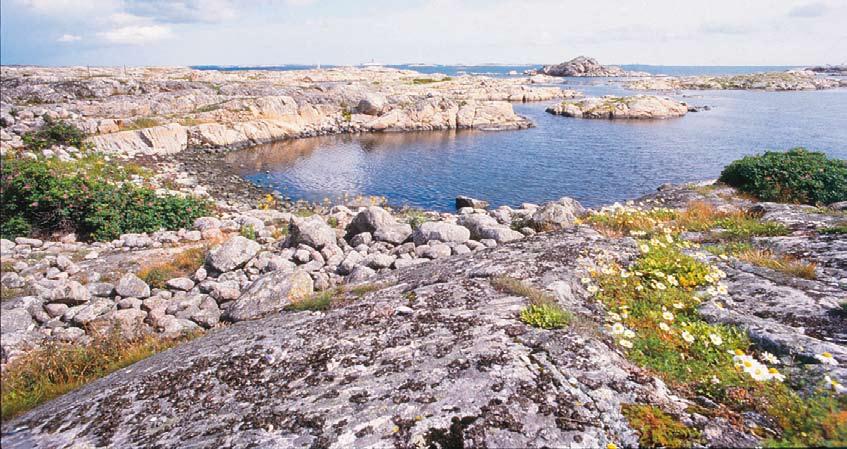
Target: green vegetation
x,y
248,232
55,369
415,217
182,265
542,312
88,196
654,318
318,301
324,300
430,80
140,123
54,132
656,428
546,316
840,229
795,176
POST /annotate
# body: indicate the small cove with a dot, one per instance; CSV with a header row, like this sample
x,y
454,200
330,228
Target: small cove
x,y
595,161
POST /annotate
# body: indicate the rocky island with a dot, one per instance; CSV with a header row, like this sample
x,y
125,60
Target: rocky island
x,y
611,107
585,66
775,81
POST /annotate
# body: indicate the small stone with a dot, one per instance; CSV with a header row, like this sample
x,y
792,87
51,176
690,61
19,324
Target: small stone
x,y
183,284
403,310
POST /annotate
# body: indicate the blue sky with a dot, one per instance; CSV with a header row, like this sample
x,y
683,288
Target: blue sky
x,y
248,32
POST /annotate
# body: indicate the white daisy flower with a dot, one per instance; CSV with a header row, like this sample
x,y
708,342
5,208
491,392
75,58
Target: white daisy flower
x,y
826,358
687,337
716,339
625,343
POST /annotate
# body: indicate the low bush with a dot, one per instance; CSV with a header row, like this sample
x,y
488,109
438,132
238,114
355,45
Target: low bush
x,y
88,196
795,176
54,132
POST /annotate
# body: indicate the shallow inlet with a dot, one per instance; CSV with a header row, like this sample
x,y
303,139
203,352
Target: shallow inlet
x,y
595,161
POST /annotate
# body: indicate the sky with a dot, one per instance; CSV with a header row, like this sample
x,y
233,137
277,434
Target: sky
x,y
271,32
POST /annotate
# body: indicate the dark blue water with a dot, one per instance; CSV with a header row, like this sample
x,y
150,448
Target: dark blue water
x,y
596,161
505,70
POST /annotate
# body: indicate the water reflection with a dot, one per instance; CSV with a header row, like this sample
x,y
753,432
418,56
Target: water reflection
x,y
595,161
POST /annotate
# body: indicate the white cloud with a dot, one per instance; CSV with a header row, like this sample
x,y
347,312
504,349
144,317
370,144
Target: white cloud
x,y
68,38
136,35
185,11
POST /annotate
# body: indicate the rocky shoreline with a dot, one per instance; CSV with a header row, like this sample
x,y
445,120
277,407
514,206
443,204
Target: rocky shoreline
x,y
611,107
439,296
166,110
408,337
775,81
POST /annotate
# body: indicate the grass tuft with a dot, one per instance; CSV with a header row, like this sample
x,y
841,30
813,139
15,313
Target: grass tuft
x,y
543,310
779,262
182,265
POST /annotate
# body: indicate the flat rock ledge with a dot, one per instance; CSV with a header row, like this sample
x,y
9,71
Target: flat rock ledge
x,y
611,107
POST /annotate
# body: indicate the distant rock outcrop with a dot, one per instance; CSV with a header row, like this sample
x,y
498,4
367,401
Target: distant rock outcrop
x,y
611,107
585,66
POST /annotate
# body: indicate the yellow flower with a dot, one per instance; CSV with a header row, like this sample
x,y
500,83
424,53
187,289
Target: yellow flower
x,y
826,358
611,446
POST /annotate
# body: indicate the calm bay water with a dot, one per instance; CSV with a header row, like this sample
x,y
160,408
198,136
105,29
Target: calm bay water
x,y
595,161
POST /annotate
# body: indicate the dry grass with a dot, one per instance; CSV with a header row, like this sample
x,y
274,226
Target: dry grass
x,y
780,262
543,311
514,286
183,264
58,368
701,216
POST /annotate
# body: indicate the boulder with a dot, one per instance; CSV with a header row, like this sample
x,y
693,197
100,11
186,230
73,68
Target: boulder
x,y
370,220
70,293
270,293
183,284
15,321
557,215
483,226
311,231
441,231
93,310
232,254
466,201
132,285
395,233
372,104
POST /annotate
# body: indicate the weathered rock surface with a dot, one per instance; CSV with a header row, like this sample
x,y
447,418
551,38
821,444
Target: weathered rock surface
x,y
611,107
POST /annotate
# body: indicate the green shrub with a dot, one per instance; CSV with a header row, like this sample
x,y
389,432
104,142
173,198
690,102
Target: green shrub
x,y
52,133
795,176
16,226
87,197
